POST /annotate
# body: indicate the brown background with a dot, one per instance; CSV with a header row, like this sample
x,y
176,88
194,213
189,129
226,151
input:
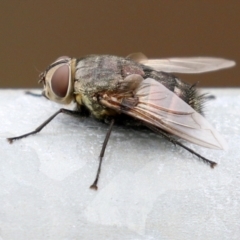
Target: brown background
x,y
36,32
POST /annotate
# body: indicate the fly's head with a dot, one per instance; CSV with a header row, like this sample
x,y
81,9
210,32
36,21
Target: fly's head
x,y
58,81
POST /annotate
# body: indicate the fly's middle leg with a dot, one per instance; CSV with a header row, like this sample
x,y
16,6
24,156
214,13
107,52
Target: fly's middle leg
x,y
94,185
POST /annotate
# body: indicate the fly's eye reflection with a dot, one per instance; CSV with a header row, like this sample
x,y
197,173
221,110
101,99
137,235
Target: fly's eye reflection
x,y
62,58
136,91
60,81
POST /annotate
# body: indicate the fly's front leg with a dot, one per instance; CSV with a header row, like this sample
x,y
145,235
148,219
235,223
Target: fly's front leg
x,y
39,128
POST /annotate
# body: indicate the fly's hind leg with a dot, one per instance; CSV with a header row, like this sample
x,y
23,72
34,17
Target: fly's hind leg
x,y
39,128
175,142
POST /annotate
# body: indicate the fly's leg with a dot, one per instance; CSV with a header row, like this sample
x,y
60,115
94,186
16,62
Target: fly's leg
x,y
175,142
207,161
38,129
94,185
33,94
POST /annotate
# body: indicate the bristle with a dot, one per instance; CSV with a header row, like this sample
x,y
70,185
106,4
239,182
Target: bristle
x,y
195,100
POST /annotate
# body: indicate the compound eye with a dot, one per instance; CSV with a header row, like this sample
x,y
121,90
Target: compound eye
x,y
60,81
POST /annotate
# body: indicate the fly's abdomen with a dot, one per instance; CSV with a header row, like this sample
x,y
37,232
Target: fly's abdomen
x,y
185,91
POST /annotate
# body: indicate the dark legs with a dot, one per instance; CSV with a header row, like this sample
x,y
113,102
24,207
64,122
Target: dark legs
x,y
172,140
75,113
154,129
94,185
38,129
33,94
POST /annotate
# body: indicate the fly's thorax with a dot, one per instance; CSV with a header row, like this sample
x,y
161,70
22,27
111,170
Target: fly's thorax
x,y
93,105
96,76
58,80
86,94
92,75
96,73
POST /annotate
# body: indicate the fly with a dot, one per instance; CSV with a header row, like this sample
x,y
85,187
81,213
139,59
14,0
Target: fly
x,y
135,91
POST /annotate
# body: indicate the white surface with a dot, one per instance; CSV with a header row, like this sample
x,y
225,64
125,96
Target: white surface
x,y
148,188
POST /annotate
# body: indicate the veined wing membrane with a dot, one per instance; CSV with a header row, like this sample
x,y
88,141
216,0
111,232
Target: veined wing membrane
x,y
156,105
184,64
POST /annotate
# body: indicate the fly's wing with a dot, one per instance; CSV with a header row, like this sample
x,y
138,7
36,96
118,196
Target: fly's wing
x,y
154,104
184,64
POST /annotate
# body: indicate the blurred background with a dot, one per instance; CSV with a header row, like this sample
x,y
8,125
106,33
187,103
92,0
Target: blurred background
x,y
36,32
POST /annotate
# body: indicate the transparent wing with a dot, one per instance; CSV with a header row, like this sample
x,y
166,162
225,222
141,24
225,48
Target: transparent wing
x,y
184,64
155,104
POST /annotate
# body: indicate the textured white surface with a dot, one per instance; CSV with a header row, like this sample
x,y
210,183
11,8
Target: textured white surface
x,y
148,188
